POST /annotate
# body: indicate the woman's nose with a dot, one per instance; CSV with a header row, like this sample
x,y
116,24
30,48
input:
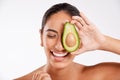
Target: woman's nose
x,y
59,46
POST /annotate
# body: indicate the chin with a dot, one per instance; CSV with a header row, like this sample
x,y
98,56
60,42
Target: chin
x,y
59,65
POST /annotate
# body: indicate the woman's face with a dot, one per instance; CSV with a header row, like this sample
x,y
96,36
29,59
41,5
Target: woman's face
x,y
57,56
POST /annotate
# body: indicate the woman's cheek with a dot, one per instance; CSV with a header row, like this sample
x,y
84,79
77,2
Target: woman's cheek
x,y
50,43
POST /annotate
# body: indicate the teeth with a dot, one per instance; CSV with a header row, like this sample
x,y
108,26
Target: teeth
x,y
59,55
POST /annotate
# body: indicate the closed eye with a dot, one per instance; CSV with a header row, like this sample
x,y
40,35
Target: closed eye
x,y
51,33
51,36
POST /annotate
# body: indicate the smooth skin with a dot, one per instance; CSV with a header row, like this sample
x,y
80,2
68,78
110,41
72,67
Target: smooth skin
x,y
63,68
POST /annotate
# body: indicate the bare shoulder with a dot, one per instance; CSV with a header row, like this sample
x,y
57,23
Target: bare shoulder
x,y
109,67
104,71
29,75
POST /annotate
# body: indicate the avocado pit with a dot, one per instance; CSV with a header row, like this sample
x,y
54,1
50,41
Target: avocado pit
x,y
70,40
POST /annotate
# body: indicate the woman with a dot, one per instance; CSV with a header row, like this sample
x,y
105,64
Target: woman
x,y
60,65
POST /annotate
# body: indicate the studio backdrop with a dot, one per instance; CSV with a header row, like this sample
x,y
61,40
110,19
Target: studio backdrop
x,y
20,21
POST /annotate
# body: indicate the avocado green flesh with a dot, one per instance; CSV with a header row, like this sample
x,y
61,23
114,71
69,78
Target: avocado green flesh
x,y
70,28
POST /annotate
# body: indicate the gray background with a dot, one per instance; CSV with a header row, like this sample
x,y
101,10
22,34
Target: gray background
x,y
20,21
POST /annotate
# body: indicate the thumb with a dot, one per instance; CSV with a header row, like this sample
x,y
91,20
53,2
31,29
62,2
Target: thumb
x,y
79,51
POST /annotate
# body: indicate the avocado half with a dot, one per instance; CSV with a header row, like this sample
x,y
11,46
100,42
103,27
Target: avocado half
x,y
70,29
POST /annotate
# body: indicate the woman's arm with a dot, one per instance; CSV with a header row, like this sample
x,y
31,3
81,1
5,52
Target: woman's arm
x,y
111,44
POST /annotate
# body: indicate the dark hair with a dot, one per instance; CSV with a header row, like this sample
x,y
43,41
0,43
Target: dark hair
x,y
70,9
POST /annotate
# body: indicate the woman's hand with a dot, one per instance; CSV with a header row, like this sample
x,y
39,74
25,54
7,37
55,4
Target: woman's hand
x,y
41,76
91,37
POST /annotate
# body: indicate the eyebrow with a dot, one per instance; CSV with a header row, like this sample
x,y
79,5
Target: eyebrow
x,y
52,30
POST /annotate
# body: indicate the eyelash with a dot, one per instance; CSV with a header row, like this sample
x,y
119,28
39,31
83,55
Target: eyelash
x,y
51,36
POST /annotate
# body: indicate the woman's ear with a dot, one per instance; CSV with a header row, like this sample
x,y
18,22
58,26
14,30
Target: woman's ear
x,y
41,37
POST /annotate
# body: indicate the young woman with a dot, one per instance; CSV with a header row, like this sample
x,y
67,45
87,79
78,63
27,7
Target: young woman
x,y
60,65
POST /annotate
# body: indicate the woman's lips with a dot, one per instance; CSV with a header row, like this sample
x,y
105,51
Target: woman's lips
x,y
59,56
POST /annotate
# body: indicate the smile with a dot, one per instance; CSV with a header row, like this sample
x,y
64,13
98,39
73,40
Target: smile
x,y
59,54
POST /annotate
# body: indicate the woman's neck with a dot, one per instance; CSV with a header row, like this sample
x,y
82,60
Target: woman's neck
x,y
65,73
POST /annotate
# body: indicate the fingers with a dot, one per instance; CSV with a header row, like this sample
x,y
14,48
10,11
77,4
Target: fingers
x,y
87,21
79,26
85,29
79,22
83,20
83,24
41,76
79,19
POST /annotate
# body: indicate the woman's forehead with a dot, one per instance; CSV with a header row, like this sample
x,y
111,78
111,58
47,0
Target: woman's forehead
x,y
57,20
